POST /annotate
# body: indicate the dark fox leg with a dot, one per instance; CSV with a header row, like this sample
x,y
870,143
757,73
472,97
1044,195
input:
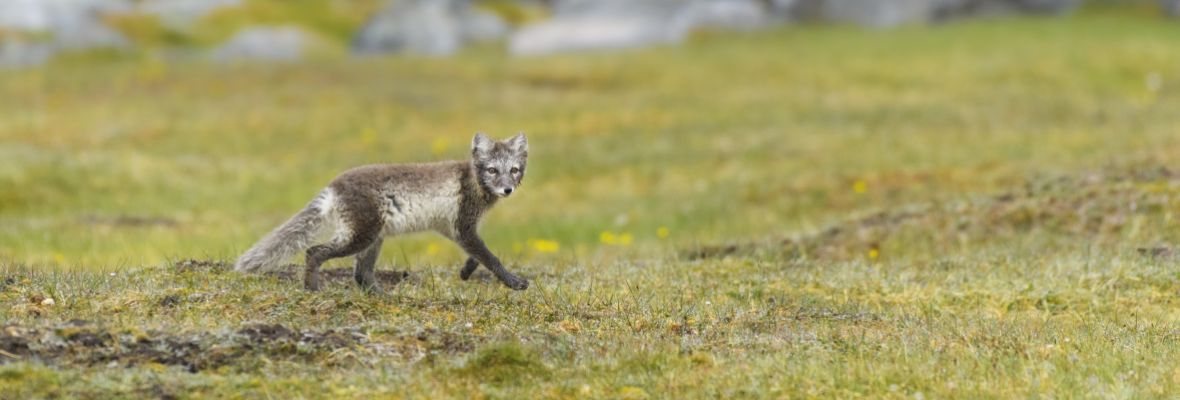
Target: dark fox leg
x,y
470,241
365,262
362,238
468,268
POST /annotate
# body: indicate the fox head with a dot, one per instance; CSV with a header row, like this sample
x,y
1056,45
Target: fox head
x,y
499,165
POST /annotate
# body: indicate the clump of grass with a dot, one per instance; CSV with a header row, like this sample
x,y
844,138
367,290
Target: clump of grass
x,y
513,12
335,21
146,31
30,381
505,363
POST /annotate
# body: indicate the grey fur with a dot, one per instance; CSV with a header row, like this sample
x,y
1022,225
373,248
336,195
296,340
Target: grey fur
x,y
500,165
291,237
370,202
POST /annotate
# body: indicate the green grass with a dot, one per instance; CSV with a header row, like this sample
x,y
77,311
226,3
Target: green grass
x,y
983,209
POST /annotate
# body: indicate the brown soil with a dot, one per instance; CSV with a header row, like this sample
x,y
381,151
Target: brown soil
x,y
1087,205
293,272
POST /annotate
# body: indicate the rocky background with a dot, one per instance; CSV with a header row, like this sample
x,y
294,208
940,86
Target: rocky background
x,y
33,32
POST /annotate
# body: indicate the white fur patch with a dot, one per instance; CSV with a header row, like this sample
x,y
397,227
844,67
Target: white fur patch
x,y
334,229
410,211
326,201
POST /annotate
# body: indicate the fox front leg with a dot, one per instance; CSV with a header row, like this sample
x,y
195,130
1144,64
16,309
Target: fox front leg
x,y
470,241
468,268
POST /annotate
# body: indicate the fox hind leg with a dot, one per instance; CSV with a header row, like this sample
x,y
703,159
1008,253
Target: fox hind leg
x,y
366,260
360,239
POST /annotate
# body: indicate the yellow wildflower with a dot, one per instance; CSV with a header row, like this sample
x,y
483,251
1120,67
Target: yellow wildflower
x,y
369,136
621,239
860,186
662,233
545,246
439,146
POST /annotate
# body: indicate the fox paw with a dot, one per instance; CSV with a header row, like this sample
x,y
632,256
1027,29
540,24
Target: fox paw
x,y
465,274
517,283
312,283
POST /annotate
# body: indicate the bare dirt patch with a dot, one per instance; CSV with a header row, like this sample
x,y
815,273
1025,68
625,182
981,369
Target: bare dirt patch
x,y
294,272
81,342
84,342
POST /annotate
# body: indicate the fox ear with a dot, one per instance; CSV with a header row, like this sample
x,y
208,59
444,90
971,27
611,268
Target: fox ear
x,y
519,143
481,144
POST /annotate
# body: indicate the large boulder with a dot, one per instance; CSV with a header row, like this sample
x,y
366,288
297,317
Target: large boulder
x,y
427,27
589,25
280,43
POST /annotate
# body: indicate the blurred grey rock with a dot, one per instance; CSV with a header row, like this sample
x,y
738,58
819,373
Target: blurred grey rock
x,y
88,34
974,8
1171,7
14,53
605,24
480,26
601,25
606,8
47,27
724,15
888,13
877,13
780,9
51,15
428,27
280,43
589,25
1046,7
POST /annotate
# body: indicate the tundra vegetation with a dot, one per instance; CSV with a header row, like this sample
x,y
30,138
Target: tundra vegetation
x,y
983,209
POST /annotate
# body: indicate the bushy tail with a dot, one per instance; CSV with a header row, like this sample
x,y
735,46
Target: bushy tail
x,y
290,238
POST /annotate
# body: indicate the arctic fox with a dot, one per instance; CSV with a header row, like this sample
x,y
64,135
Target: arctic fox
x,y
368,203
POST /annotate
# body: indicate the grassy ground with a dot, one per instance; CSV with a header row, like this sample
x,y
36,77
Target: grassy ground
x,y
982,209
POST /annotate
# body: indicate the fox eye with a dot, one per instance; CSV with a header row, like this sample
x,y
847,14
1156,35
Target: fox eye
x,y
492,171
515,170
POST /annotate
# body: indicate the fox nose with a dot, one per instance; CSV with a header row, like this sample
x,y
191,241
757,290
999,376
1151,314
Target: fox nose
x,y
507,191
